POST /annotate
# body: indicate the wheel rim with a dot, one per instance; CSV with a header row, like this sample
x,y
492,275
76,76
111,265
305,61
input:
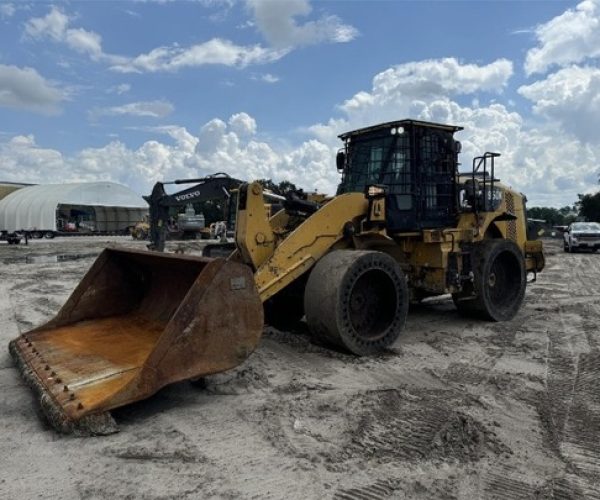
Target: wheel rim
x,y
372,304
504,281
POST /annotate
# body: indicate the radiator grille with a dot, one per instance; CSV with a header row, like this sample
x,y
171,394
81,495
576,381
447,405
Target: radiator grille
x,y
511,226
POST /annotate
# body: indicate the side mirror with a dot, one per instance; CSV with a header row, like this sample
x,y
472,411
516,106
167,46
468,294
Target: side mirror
x,y
340,160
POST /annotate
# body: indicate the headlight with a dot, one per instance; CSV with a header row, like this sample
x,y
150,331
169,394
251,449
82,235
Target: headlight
x,y
374,191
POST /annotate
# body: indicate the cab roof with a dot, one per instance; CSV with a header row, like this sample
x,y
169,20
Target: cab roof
x,y
400,123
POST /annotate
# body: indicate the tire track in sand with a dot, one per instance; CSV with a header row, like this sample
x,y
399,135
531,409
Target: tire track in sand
x,y
570,406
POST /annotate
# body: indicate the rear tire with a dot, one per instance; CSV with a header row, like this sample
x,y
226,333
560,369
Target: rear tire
x,y
357,300
499,282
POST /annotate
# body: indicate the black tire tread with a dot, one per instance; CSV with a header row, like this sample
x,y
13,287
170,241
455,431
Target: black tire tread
x,y
328,288
480,305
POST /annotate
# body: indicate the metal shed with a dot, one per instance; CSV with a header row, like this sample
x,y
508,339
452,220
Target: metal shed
x,y
93,207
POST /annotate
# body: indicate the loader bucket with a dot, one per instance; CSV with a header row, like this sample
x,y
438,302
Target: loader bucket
x,y
136,322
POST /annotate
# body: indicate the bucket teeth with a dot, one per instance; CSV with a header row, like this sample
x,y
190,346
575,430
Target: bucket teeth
x,y
88,425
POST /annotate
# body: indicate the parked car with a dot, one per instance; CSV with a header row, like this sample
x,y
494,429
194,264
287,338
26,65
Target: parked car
x,y
582,235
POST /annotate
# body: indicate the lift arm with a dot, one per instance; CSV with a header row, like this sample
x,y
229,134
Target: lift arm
x,y
278,263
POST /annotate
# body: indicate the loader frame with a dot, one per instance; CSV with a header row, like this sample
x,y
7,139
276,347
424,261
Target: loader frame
x,y
350,265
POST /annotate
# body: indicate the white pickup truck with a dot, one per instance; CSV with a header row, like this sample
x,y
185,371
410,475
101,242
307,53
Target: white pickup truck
x,y
582,235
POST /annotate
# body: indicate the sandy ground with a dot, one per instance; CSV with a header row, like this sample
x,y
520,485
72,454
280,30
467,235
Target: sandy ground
x,y
458,409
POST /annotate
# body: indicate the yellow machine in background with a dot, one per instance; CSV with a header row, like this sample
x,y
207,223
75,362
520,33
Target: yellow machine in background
x,y
141,230
404,225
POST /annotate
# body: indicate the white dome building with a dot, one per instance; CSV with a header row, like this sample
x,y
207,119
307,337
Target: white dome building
x,y
77,207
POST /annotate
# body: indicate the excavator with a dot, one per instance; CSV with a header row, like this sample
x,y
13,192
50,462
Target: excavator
x,y
404,225
212,187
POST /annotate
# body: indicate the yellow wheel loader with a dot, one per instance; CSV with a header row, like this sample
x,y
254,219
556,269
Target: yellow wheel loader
x,y
403,225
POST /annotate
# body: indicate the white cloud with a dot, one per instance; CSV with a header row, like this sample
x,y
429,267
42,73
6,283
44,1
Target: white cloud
x,y
215,51
217,3
400,91
550,161
242,124
25,88
185,141
120,89
236,152
569,38
213,137
551,166
132,13
569,98
85,42
205,3
266,78
217,147
436,77
276,20
55,26
23,160
7,10
550,171
152,109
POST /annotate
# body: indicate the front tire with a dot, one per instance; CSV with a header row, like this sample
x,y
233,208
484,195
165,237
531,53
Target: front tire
x,y
499,282
357,300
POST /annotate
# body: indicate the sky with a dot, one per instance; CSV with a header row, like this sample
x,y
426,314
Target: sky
x,y
140,91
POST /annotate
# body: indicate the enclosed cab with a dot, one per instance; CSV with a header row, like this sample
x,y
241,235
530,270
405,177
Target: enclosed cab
x,y
415,162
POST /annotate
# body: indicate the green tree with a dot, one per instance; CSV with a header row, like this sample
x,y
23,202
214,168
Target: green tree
x,y
567,210
268,184
281,189
589,206
552,216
